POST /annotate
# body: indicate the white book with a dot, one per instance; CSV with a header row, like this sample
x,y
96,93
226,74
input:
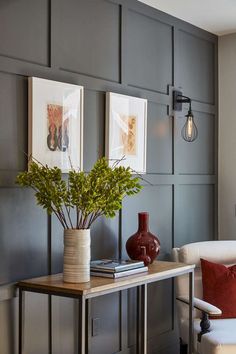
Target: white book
x,y
113,265
119,274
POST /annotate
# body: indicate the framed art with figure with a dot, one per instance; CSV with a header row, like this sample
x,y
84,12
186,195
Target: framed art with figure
x,y
56,124
126,131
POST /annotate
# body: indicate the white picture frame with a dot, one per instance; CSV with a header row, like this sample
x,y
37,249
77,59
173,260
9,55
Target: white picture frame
x,y
55,118
126,131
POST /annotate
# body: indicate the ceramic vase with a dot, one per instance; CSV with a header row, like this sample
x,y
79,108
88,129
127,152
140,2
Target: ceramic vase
x,y
77,255
143,245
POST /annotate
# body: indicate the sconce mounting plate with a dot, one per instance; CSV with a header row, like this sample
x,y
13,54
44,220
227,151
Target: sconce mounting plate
x,y
177,106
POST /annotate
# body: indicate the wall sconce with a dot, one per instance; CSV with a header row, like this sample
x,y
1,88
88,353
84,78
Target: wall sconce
x,y
189,131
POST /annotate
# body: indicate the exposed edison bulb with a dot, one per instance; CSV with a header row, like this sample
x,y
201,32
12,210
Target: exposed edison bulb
x,y
189,131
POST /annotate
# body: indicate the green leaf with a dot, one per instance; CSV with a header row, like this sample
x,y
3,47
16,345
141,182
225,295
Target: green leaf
x,y
100,192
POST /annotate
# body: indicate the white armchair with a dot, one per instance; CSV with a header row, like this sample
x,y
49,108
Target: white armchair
x,y
219,335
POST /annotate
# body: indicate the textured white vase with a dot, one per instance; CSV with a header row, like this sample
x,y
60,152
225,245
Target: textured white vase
x,y
77,255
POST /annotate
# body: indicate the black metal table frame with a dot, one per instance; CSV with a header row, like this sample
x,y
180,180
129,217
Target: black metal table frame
x,y
84,305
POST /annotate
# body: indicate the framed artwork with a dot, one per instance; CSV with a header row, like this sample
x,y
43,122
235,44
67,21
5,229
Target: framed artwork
x,y
56,123
126,131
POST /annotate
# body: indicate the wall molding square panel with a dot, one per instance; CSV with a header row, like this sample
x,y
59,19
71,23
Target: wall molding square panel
x,y
13,120
196,65
148,53
94,127
23,241
159,143
64,325
25,30
157,292
108,310
194,216
89,38
187,154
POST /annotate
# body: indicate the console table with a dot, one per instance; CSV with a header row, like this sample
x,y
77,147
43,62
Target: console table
x,y
98,286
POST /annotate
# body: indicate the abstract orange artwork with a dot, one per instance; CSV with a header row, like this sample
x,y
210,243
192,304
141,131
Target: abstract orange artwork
x,y
58,134
129,135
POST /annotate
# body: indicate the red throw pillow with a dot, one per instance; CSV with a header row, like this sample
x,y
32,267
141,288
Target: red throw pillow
x,y
219,287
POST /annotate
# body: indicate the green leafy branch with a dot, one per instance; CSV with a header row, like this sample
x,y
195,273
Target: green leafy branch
x,y
98,193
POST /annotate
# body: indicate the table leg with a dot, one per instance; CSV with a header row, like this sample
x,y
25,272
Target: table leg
x,y
191,309
142,319
49,324
21,320
83,321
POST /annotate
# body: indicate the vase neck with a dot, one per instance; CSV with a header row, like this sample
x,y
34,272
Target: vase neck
x,y
143,222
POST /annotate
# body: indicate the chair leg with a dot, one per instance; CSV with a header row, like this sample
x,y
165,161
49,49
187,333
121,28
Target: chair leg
x,y
183,348
205,325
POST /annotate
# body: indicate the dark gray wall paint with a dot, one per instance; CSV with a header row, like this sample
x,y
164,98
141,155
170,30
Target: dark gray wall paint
x,y
121,46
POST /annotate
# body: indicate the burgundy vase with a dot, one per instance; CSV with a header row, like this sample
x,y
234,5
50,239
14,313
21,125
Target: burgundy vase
x,y
143,245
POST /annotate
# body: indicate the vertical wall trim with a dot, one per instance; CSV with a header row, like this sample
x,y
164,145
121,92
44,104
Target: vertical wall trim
x,y
172,117
173,216
49,243
173,56
120,235
123,44
120,43
49,225
50,33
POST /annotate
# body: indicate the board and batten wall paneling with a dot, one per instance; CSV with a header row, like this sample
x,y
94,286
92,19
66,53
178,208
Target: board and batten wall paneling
x,y
120,46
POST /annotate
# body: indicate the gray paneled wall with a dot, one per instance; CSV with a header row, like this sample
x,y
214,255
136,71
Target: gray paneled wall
x,y
126,47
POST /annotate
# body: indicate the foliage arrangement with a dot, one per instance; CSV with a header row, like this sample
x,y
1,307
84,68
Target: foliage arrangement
x,y
80,200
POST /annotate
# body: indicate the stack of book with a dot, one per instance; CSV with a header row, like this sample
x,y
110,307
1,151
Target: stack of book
x,y
110,268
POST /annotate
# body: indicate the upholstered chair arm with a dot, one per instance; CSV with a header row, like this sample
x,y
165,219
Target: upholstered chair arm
x,y
201,305
207,310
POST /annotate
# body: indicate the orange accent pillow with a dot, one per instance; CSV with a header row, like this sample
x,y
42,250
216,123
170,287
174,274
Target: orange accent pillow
x,y
219,287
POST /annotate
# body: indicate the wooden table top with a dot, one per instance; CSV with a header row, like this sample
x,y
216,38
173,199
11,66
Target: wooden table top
x,y
159,270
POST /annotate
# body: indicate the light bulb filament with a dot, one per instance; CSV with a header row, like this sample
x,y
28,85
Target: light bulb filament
x,y
189,127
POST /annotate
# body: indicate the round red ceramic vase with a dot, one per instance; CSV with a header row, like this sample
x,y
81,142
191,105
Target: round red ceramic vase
x,y
143,245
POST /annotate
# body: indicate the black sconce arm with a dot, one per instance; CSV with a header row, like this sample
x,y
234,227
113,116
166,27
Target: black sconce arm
x,y
183,99
178,99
